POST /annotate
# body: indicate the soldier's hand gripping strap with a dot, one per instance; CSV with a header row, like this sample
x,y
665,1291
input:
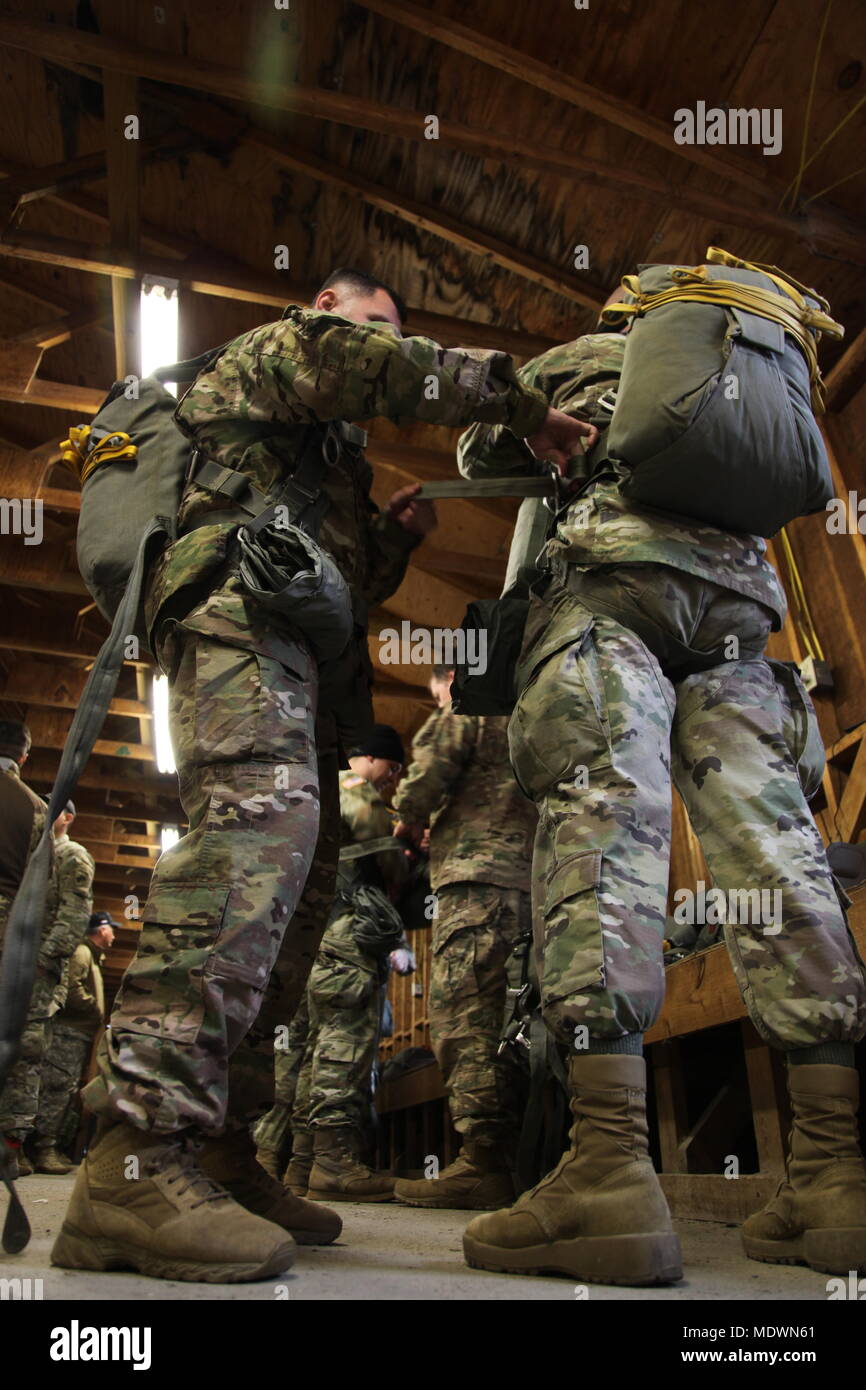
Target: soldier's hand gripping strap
x,y
24,928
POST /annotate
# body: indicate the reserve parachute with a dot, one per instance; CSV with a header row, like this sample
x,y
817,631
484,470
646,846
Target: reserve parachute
x,y
714,412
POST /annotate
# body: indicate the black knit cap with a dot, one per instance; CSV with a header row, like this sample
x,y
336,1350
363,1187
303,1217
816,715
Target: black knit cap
x,y
384,742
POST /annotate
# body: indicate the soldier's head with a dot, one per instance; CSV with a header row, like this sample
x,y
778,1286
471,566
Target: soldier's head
x,y
440,685
355,295
380,760
100,930
65,819
14,740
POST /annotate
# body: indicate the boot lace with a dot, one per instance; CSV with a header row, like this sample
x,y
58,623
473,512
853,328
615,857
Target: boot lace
x,y
177,1163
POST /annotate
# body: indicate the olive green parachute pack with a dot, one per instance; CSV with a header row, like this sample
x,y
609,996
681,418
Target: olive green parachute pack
x,y
713,419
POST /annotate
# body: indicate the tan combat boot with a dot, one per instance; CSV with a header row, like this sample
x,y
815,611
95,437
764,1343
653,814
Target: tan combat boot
x,y
477,1180
22,1167
269,1159
601,1215
231,1161
338,1175
141,1202
297,1176
818,1215
48,1160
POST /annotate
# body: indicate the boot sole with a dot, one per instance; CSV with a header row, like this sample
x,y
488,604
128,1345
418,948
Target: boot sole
x,y
75,1250
316,1196
828,1251
444,1204
635,1260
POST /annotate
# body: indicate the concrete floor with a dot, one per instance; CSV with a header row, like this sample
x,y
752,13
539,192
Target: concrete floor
x,y
390,1252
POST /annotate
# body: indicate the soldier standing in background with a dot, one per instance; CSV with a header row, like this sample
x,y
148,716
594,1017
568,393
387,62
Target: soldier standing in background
x,y
22,825
460,783
626,678
344,991
81,1013
225,951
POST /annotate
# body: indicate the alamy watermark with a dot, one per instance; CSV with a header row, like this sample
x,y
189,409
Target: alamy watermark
x,y
712,907
723,125
438,646
22,516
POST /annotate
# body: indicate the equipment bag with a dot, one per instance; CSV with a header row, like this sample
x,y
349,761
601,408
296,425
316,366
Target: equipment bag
x,y
714,409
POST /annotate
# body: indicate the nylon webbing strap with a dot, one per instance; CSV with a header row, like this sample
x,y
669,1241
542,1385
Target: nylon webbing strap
x,y
24,927
534,485
384,842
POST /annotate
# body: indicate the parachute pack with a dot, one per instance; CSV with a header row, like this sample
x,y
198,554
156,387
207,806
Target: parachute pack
x,y
714,412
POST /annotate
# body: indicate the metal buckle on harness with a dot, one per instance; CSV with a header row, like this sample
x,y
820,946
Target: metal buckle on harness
x,y
608,400
555,499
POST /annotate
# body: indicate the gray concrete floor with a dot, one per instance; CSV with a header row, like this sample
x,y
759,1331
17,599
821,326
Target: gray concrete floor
x,y
390,1252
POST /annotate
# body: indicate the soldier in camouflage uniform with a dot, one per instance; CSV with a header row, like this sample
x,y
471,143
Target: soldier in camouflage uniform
x,y
344,994
227,941
642,659
322,1066
460,783
22,824
80,1004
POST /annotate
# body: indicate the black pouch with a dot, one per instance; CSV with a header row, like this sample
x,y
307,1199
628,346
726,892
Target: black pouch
x,y
377,926
490,687
288,573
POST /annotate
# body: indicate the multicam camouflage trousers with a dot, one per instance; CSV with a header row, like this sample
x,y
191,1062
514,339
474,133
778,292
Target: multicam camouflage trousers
x,y
345,1001
62,1070
227,939
605,717
274,1130
471,970
19,1100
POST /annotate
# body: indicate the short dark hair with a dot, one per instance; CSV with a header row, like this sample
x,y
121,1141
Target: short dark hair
x,y
363,283
441,673
14,738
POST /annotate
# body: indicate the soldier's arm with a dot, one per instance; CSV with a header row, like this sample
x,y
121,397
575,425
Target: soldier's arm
x,y
318,366
440,753
75,886
570,378
389,547
367,818
85,1001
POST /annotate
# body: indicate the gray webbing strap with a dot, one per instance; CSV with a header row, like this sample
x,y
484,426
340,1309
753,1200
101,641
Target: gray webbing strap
x,y
533,486
24,927
384,842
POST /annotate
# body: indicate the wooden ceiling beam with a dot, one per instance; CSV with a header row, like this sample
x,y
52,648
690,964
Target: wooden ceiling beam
x,y
80,51
50,634
434,220
58,330
433,24
848,375
109,830
49,729
239,282
32,682
100,793
121,101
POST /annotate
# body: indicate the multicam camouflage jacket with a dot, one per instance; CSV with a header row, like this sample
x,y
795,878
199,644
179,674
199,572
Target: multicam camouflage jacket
x,y
460,783
252,412
364,816
601,526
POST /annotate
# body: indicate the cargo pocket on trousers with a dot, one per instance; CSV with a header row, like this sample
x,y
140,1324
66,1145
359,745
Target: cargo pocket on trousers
x,y
800,727
560,717
164,991
573,942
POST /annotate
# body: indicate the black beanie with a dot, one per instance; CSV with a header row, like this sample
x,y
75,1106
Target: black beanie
x,y
384,742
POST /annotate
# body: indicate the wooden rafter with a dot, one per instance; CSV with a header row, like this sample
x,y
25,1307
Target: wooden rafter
x,y
822,225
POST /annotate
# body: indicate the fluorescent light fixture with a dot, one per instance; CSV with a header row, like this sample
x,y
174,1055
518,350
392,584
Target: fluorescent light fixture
x,y
169,835
161,735
159,323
